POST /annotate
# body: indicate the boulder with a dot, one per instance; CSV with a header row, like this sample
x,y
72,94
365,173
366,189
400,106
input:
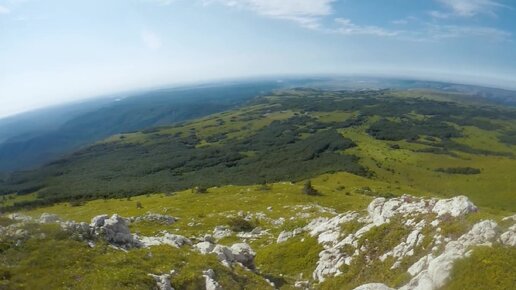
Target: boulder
x,y
47,218
456,206
243,254
114,230
204,247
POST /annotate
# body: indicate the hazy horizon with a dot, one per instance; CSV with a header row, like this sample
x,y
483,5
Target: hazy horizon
x,y
56,51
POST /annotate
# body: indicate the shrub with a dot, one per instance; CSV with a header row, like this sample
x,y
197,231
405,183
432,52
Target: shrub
x,y
240,225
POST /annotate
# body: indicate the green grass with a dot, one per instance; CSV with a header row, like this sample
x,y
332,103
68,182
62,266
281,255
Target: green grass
x,y
486,268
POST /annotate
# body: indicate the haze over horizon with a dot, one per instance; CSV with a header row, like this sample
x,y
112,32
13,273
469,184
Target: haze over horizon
x,y
59,51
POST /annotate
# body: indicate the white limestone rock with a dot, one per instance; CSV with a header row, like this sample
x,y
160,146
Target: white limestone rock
x,y
284,236
162,281
329,264
437,270
20,217
509,237
209,278
221,232
455,206
114,230
47,218
155,218
243,254
166,239
204,247
374,286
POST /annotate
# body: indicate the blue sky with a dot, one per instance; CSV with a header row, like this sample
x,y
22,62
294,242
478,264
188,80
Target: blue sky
x,y
52,51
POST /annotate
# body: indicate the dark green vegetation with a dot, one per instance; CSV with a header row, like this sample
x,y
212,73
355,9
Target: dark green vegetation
x,y
287,136
459,170
86,123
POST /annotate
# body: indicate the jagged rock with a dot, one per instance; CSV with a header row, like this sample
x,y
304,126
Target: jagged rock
x,y
405,248
240,252
320,225
380,210
243,254
47,218
209,278
284,236
221,232
456,206
374,286
155,217
329,264
114,230
162,281
434,271
224,254
167,239
205,247
509,237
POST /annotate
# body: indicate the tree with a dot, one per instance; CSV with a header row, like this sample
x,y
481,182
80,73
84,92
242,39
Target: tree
x,y
309,189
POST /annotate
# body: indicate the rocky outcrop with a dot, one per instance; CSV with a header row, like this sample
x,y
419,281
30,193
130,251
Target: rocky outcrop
x,y
456,206
114,230
432,272
154,218
19,217
209,278
221,232
508,238
163,281
166,239
374,286
380,211
238,253
47,218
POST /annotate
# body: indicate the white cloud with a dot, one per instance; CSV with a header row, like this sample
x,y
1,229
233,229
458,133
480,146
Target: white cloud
x,y
307,13
468,8
438,32
346,27
151,40
4,10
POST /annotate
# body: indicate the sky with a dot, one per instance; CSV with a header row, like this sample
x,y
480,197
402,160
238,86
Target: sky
x,y
55,51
